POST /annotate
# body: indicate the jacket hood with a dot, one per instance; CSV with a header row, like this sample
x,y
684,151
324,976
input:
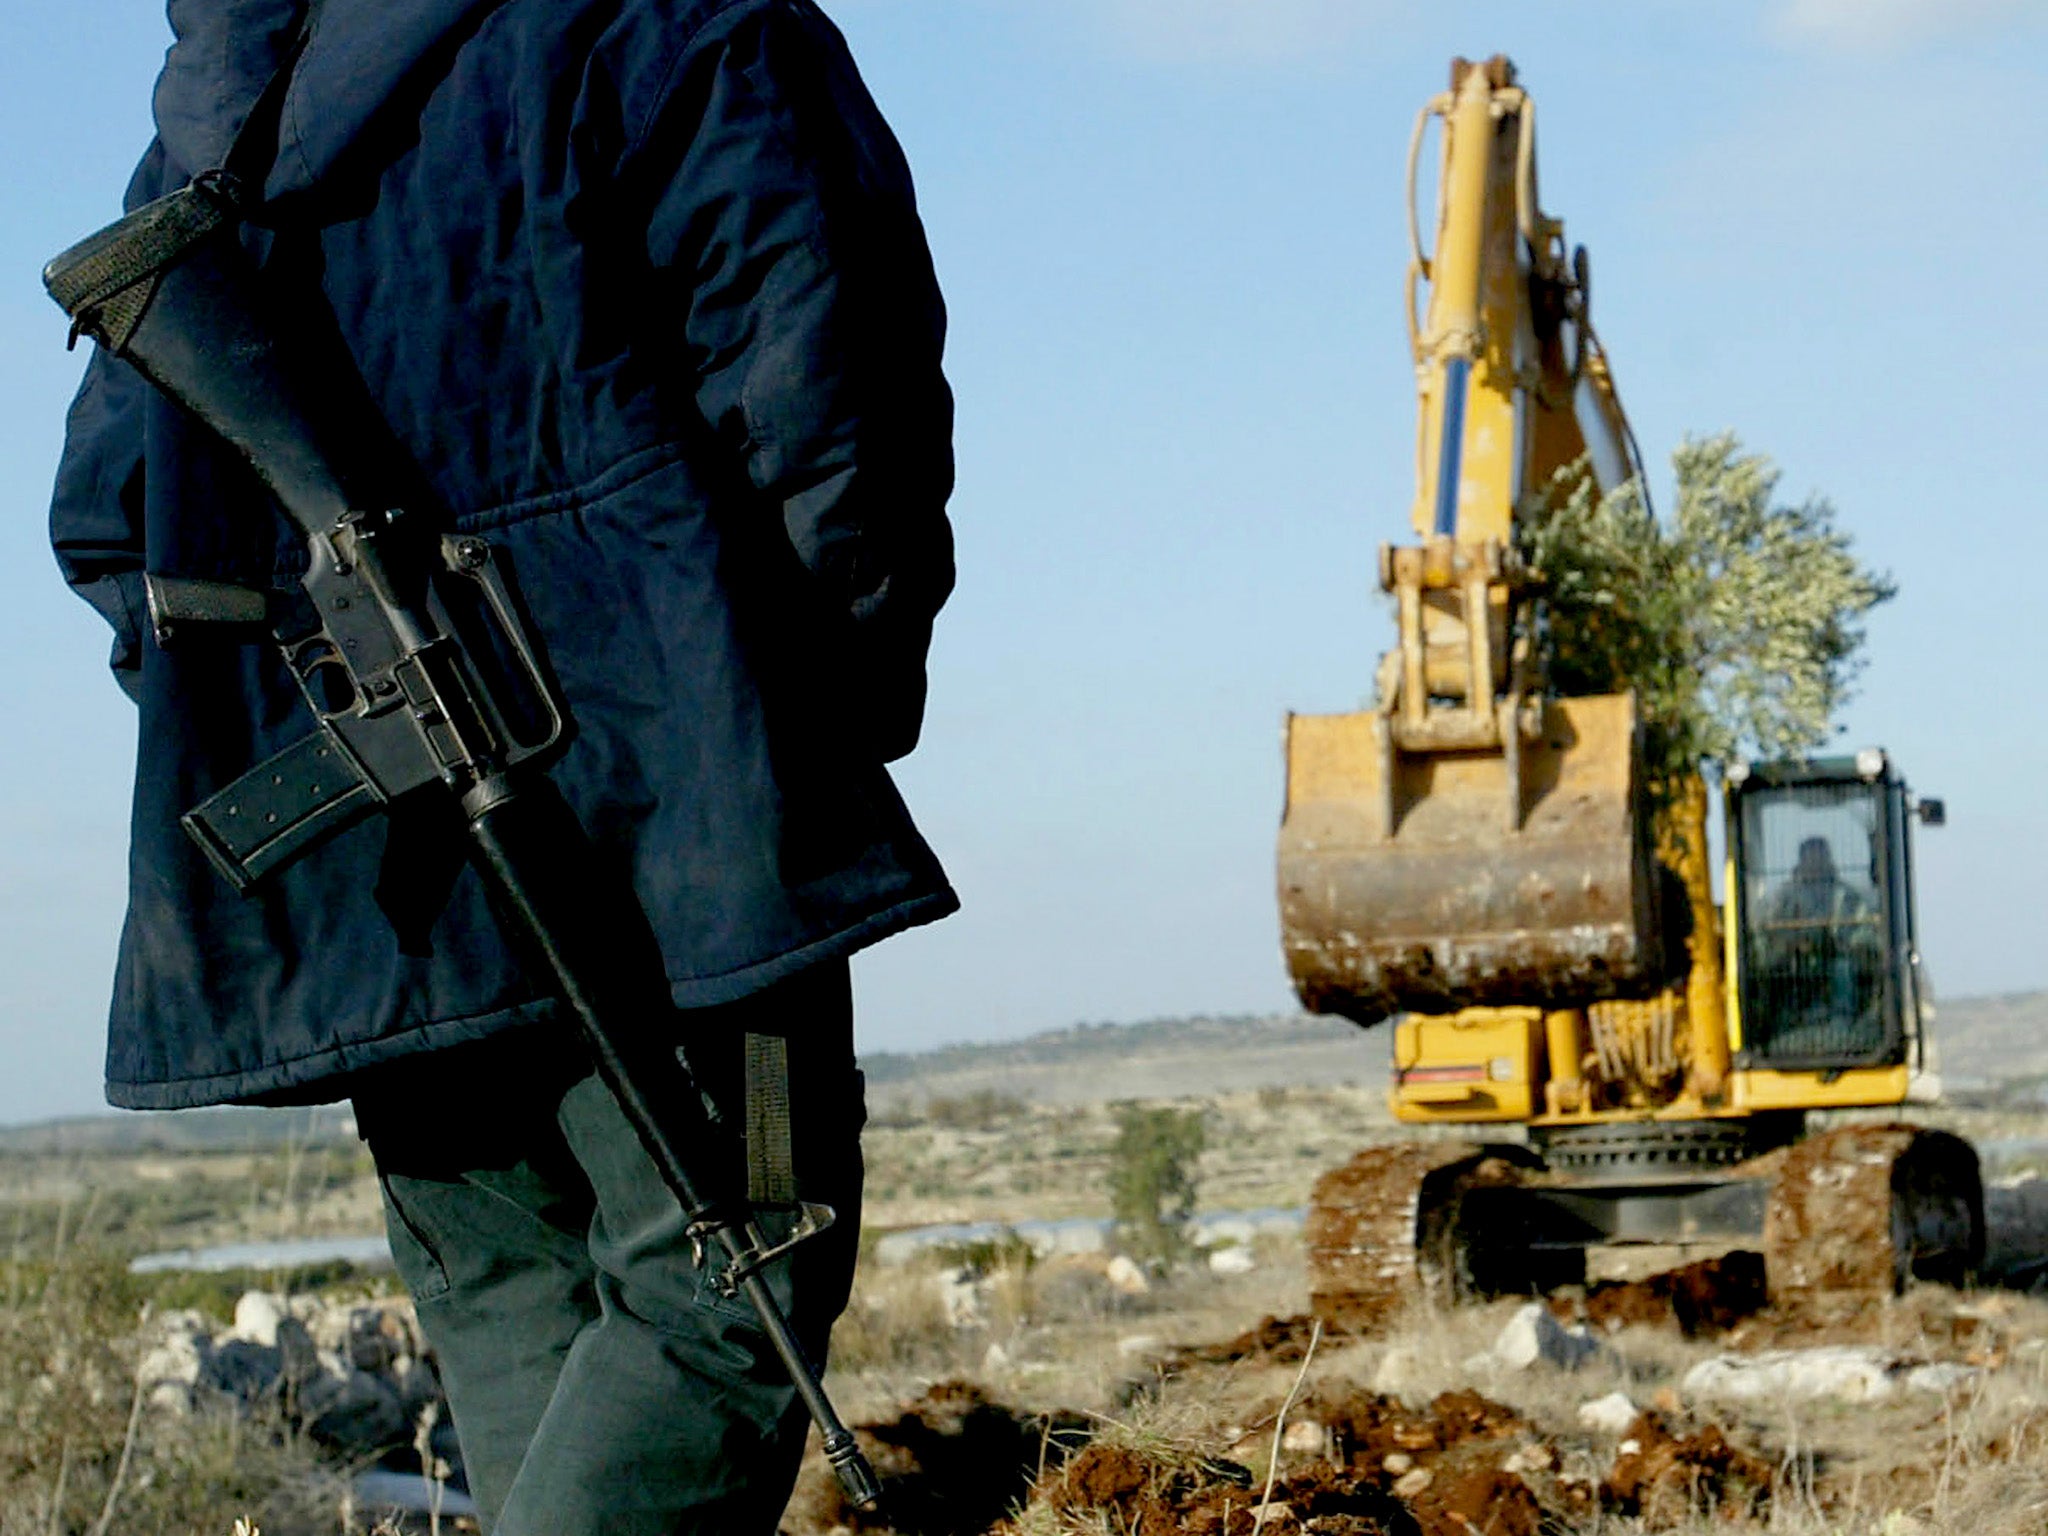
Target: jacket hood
x,y
361,66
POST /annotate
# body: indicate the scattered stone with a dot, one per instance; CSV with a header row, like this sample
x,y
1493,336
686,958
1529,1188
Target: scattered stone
x,y
173,1358
1140,1346
1126,1277
1398,1374
1409,1484
1397,1462
963,1297
1940,1377
1305,1437
357,1411
1535,1335
1232,1261
257,1314
242,1370
1540,1457
1846,1373
1609,1415
995,1360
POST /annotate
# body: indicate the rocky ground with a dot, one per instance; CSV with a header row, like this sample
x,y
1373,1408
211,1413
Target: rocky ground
x,y
1683,1402
1058,1393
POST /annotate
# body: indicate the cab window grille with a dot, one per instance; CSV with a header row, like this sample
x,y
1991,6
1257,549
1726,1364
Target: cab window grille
x,y
1813,913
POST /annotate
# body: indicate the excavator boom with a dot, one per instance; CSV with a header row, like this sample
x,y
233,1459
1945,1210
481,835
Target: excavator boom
x,y
1468,840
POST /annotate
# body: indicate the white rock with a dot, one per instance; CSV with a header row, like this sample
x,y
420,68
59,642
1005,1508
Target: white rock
x,y
1397,1462
1139,1346
1533,1334
257,1315
995,1360
1124,1275
1232,1261
1608,1415
1939,1378
1398,1373
1304,1435
1845,1373
1412,1483
173,1355
963,1297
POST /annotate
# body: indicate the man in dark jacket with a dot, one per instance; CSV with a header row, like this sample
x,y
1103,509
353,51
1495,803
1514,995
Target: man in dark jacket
x,y
640,288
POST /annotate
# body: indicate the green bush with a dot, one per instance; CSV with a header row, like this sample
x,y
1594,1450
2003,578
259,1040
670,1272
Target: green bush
x,y
1153,1173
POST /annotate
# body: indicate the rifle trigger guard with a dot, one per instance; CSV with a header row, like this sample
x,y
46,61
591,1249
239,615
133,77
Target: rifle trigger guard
x,y
813,1220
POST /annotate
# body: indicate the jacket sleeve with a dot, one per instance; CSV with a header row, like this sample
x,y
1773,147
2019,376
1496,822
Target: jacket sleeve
x,y
96,508
812,320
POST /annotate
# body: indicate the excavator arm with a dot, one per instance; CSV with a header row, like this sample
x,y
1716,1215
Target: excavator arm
x,y
1470,840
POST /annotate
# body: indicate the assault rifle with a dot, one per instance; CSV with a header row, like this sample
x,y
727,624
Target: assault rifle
x,y
421,673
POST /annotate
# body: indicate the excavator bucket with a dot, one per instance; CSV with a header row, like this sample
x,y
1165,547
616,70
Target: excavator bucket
x,y
1429,881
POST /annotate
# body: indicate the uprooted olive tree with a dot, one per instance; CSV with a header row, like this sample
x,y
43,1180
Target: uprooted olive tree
x,y
1739,623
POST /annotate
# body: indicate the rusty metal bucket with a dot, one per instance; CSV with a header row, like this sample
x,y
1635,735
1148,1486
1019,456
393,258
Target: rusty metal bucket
x,y
1428,881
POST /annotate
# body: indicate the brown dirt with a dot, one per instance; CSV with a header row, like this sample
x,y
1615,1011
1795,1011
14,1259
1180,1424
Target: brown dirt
x,y
1705,1300
1666,1478
1366,1428
1275,1341
953,1463
956,1463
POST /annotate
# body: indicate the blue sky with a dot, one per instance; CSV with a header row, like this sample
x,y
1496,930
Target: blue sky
x,y
1171,237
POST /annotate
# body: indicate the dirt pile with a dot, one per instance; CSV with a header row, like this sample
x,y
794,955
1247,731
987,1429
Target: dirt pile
x,y
952,1463
1664,1478
1446,1470
958,1463
1274,1341
1705,1300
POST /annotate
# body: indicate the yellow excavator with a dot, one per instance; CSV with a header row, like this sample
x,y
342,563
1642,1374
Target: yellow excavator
x,y
1482,861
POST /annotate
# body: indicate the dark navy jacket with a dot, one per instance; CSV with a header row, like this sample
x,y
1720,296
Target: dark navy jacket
x,y
641,288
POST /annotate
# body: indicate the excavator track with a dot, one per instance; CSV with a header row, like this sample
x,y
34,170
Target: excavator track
x,y
1871,1208
1384,1230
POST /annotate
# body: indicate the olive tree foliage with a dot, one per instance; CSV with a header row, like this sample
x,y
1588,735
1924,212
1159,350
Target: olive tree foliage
x,y
1739,625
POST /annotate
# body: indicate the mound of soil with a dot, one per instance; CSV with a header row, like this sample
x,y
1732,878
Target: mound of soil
x,y
1367,1428
957,1463
1705,1300
952,1463
1274,1341
1665,1478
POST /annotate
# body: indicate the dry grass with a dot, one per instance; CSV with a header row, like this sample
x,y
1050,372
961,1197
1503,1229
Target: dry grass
x,y
1048,1334
83,1455
1974,1461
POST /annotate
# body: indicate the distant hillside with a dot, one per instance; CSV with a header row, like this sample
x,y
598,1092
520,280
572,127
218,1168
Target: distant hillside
x,y
1987,1044
226,1129
1160,1059
1993,1041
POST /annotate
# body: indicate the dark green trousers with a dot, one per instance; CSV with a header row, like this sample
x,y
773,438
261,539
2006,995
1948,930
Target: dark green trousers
x,y
598,1382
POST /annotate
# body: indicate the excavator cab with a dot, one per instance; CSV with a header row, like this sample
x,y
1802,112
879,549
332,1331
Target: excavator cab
x,y
1827,974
